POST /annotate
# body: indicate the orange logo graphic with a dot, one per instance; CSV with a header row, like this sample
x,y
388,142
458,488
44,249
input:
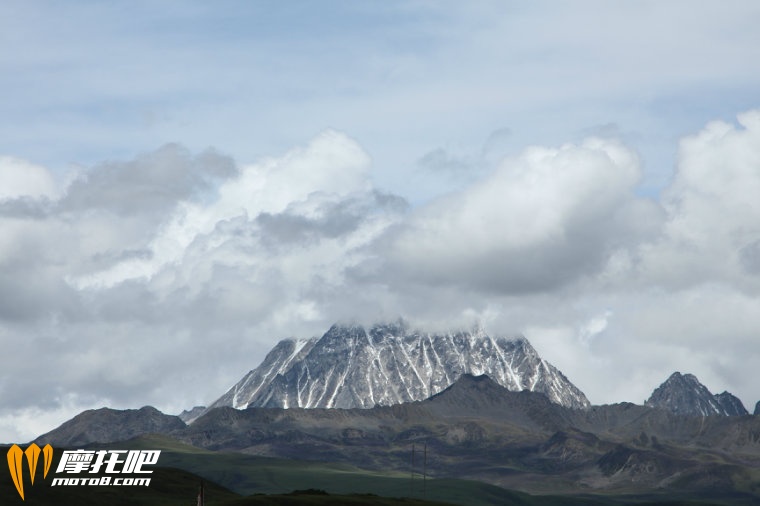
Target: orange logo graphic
x,y
15,464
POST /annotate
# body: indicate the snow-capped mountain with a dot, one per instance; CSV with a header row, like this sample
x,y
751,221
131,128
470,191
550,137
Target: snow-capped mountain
x,y
685,395
350,367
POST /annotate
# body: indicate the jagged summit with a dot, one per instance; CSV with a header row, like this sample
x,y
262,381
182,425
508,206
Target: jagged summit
x,y
350,366
731,404
685,395
189,415
757,409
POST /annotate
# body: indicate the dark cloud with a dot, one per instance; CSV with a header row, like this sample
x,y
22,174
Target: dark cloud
x,y
107,258
749,256
441,161
151,183
285,228
391,202
29,295
26,208
330,220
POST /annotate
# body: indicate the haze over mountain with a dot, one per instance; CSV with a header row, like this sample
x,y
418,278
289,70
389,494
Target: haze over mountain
x,y
352,367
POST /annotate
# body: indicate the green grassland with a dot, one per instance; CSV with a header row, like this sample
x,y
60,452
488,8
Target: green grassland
x,y
249,474
236,479
169,487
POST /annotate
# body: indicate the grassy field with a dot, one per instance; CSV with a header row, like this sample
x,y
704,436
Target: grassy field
x,y
234,479
169,487
247,475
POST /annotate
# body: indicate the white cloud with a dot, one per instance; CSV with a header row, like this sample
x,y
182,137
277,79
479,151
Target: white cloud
x,y
259,255
594,327
540,221
713,225
20,178
174,301
192,255
331,164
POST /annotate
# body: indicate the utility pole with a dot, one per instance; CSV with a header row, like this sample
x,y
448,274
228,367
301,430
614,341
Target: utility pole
x,y
424,472
411,481
201,499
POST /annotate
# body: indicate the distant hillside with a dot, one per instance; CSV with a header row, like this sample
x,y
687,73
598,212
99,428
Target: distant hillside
x,y
479,430
105,424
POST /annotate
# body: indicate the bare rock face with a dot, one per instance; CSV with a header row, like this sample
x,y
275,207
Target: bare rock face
x,y
683,394
351,367
189,415
731,404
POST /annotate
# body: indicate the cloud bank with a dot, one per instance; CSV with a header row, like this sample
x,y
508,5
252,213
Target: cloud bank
x,y
162,279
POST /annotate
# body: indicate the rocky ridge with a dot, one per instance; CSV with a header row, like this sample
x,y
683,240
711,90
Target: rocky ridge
x,y
352,367
684,394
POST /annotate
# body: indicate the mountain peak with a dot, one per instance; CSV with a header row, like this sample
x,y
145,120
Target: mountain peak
x,y
468,381
731,404
684,379
470,386
390,363
684,394
189,415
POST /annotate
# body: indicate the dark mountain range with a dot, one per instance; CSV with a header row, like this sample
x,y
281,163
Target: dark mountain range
x,y
105,425
477,429
350,367
684,394
367,398
757,408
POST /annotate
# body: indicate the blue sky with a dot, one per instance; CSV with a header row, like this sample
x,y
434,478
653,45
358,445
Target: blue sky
x,y
88,81
174,174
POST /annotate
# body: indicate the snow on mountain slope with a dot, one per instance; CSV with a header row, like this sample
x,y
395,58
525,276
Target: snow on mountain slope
x,y
390,364
685,395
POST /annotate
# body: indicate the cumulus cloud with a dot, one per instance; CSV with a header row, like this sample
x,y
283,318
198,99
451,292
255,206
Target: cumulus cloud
x,y
686,298
540,221
151,184
167,293
20,178
124,295
331,165
713,224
